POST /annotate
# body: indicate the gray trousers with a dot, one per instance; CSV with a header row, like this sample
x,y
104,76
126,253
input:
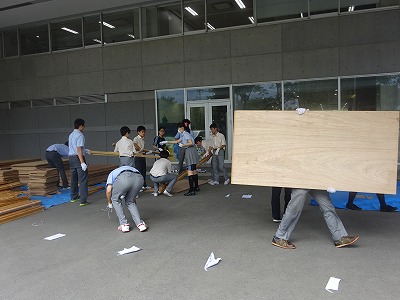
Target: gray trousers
x,y
168,178
295,207
126,161
126,184
217,165
77,174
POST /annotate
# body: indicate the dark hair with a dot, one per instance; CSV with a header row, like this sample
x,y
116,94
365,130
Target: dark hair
x,y
179,125
164,154
159,128
186,121
124,130
213,125
78,123
66,143
140,128
198,139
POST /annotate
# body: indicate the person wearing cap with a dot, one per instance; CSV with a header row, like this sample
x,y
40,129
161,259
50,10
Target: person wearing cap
x,y
54,155
123,184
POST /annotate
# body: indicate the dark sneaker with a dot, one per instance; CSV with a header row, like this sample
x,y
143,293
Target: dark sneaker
x,y
190,194
281,243
74,200
388,208
353,207
346,240
84,203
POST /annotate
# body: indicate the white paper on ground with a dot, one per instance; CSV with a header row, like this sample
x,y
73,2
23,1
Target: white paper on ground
x,y
55,236
227,195
212,261
128,250
247,196
332,285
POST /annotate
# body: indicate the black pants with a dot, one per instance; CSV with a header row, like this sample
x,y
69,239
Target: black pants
x,y
140,165
55,161
276,201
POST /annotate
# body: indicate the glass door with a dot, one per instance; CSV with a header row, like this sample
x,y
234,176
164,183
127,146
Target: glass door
x,y
202,114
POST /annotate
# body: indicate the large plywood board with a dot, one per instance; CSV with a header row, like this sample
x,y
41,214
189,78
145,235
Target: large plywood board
x,y
348,151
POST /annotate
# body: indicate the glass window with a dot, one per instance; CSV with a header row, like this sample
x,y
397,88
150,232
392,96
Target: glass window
x,y
207,93
66,34
163,19
313,95
275,10
91,26
10,42
261,96
34,39
323,7
356,5
170,110
193,15
371,93
221,14
121,26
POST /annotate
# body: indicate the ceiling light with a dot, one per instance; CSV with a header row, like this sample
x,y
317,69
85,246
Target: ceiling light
x,y
301,15
70,30
131,35
38,36
251,19
189,9
107,25
97,41
210,26
240,3
351,8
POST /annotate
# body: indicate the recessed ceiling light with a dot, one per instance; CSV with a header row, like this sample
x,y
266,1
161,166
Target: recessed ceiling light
x,y
210,26
251,19
191,10
107,25
70,30
241,4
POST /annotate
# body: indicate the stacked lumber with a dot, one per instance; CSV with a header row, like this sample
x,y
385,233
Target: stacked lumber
x,y
6,164
43,182
25,168
8,176
12,206
99,173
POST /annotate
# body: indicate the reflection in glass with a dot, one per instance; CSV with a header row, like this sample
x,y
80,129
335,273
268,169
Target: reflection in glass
x,y
219,115
160,20
66,34
275,10
371,93
356,5
10,42
91,26
323,7
262,96
121,26
197,117
193,15
34,39
313,95
221,14
207,93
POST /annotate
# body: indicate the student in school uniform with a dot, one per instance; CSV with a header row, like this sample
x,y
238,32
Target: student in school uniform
x,y
161,173
218,145
159,138
140,162
125,147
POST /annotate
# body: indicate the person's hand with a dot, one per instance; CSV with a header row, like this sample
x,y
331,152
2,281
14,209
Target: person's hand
x,y
160,149
163,142
84,167
180,145
331,190
149,152
301,111
87,151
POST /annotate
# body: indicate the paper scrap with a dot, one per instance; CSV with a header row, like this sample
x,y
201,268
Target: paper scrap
x,y
55,236
212,261
332,285
227,196
247,196
128,250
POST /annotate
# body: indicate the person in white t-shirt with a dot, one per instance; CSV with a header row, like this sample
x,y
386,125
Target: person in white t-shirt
x,y
125,148
161,173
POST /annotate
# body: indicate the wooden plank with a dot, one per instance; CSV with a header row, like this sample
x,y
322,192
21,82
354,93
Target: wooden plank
x,y
349,151
20,214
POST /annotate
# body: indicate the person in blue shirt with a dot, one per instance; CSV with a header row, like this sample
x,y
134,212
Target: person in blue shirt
x,y
182,150
54,155
77,163
123,184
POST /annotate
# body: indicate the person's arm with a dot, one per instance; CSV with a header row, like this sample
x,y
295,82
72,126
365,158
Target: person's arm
x,y
108,193
80,154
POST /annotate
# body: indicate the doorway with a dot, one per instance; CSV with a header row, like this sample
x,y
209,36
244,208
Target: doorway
x,y
202,113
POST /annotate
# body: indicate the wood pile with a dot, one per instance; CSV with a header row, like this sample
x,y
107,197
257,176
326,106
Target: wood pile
x,y
43,181
99,173
8,176
6,164
25,168
12,206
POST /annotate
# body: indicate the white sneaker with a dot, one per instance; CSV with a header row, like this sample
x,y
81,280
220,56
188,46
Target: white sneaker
x,y
211,182
156,194
142,227
146,188
216,182
226,182
123,227
167,193
137,196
